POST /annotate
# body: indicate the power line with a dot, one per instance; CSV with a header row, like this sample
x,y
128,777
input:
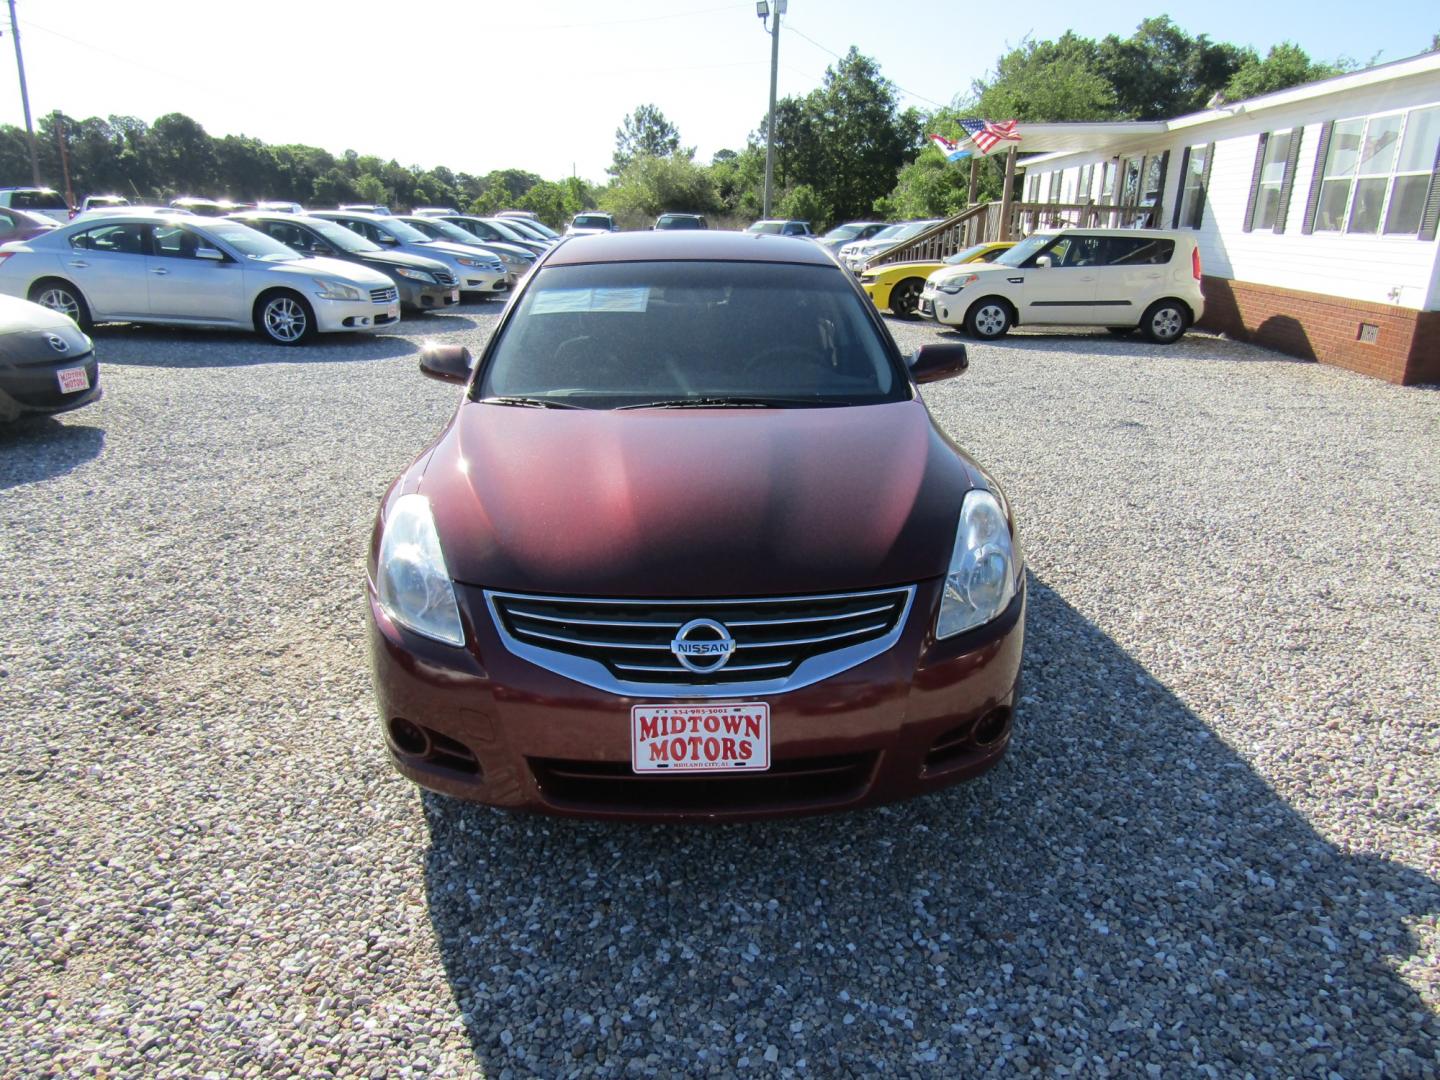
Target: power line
x,y
832,52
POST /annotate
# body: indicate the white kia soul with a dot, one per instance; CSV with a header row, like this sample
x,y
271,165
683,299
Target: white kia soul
x,y
1117,278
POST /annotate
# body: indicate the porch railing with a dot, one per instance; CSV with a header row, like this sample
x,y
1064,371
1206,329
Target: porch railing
x,y
980,224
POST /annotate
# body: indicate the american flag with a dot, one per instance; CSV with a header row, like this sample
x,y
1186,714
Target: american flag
x,y
986,134
952,150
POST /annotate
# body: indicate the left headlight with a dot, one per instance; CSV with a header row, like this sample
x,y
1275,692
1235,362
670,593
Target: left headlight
x,y
470,260
981,581
415,275
955,284
331,289
413,584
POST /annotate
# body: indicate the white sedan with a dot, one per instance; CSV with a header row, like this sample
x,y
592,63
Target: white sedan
x,y
190,271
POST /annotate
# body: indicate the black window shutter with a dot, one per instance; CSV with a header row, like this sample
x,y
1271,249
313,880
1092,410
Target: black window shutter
x,y
1204,186
1255,181
1180,190
1287,185
1312,204
1431,217
1159,220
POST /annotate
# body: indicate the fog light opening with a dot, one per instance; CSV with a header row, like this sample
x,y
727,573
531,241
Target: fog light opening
x,y
408,738
992,727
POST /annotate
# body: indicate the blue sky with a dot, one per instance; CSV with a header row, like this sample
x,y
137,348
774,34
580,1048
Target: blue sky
x,y
543,85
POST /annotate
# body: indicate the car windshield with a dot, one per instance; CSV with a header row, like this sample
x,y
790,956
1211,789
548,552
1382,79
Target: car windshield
x,y
406,234
766,227
525,229
337,236
887,233
504,229
699,334
591,221
250,242
968,255
540,227
844,232
1017,255
446,231
904,232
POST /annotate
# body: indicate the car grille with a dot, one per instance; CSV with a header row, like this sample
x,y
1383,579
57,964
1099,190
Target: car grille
x,y
615,786
624,646
385,296
444,277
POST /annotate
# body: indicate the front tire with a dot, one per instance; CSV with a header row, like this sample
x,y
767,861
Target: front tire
x,y
62,297
1165,321
285,318
988,319
905,297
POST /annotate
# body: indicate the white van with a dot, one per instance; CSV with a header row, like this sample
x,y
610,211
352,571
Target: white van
x,y
45,201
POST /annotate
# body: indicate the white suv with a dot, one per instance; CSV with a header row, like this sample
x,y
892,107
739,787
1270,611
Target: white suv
x,y
1117,278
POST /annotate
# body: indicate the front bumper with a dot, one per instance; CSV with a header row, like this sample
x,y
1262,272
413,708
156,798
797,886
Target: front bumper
x,y
501,730
35,388
484,281
417,296
336,316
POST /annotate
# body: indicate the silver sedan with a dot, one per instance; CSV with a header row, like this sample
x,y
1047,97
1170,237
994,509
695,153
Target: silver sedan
x,y
191,271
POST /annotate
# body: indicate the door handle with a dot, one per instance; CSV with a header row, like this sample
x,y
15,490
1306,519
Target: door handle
x,y
159,270
79,264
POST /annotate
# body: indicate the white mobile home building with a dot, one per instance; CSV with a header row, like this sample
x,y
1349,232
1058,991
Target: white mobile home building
x,y
1315,208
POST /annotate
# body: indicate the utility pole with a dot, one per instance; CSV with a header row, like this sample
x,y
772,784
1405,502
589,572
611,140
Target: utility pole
x,y
762,8
64,159
25,95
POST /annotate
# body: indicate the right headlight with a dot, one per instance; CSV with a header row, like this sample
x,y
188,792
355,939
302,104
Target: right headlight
x,y
415,275
411,578
981,580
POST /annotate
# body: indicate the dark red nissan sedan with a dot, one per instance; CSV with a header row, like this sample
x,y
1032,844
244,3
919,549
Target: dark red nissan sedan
x,y
692,547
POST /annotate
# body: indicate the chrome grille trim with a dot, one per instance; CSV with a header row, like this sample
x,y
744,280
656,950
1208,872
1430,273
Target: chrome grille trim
x,y
387,295
620,667
443,277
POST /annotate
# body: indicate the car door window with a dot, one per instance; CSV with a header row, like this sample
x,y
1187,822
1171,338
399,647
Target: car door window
x,y
1084,251
1137,251
178,242
126,238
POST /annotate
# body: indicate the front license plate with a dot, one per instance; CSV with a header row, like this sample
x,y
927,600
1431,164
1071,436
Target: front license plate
x,y
73,380
454,297
700,738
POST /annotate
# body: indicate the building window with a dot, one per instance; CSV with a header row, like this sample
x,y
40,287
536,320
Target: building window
x,y
1194,181
1082,188
1270,185
1055,178
1130,183
1107,183
1377,172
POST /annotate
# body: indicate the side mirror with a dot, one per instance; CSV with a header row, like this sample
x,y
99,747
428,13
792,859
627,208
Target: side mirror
x,y
1044,260
209,253
447,363
931,363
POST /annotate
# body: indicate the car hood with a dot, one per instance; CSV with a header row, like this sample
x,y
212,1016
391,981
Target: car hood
x,y
686,502
400,258
350,273
27,330
439,248
946,273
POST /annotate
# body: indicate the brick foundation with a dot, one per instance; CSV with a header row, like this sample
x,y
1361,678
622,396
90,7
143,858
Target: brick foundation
x,y
1405,349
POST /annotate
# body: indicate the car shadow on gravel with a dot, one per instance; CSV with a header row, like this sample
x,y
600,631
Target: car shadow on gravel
x,y
1124,889
175,347
37,448
1197,344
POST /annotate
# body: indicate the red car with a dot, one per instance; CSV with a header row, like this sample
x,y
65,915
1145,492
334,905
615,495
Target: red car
x,y
692,547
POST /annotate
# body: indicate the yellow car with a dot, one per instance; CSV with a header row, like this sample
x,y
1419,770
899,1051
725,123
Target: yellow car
x,y
897,285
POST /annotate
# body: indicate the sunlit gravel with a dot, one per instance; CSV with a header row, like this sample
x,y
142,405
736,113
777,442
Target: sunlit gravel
x,y
1212,851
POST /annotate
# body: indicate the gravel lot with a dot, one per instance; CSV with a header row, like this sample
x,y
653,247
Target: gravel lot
x,y
1213,850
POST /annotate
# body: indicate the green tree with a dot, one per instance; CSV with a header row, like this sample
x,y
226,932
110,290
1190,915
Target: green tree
x,y
929,186
652,185
643,133
369,188
1047,81
1160,71
803,203
1285,65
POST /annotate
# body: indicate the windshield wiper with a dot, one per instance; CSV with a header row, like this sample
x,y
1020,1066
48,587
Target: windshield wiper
x,y
714,403
529,402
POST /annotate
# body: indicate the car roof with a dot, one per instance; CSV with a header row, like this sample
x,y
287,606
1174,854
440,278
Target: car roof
x,y
699,246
